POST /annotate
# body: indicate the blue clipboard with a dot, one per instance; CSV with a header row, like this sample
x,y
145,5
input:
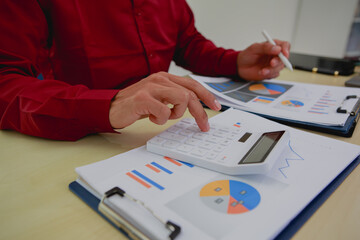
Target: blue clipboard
x,y
287,233
344,131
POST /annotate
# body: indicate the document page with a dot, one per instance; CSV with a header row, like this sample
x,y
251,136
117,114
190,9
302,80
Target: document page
x,y
210,205
283,99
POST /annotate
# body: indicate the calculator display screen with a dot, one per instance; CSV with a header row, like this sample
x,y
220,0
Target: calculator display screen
x,y
261,149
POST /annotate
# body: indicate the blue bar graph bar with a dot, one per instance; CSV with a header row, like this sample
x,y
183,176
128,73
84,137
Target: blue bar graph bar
x,y
215,87
161,168
148,180
187,164
317,112
328,100
318,105
265,98
228,84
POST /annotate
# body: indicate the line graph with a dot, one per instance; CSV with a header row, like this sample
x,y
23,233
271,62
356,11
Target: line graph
x,y
298,158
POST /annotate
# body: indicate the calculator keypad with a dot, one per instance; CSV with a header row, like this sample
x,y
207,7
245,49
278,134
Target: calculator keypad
x,y
186,137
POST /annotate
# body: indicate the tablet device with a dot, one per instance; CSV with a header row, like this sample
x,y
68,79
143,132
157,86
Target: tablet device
x,y
353,82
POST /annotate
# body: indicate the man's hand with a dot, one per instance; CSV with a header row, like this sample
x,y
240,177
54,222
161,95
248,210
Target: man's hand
x,y
151,96
260,60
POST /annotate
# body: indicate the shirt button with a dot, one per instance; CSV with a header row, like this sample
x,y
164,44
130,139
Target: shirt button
x,y
138,13
151,55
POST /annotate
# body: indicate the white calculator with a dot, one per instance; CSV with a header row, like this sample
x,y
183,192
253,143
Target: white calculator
x,y
231,150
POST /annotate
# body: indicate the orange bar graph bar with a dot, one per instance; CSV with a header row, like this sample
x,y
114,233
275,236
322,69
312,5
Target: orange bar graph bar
x,y
173,161
153,168
138,180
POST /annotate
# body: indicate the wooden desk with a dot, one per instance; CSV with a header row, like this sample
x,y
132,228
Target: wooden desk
x,y
36,204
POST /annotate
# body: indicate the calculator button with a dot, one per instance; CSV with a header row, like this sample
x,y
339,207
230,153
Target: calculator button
x,y
173,129
187,120
185,148
225,142
220,134
157,140
200,136
211,155
213,139
206,145
213,126
192,141
224,129
218,148
171,144
185,132
194,129
182,125
172,136
211,131
199,152
232,136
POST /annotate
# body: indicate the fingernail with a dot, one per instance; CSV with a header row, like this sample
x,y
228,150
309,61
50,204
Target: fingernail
x,y
275,48
217,104
274,62
265,71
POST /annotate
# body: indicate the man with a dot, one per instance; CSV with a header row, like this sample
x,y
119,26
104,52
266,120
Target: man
x,y
88,50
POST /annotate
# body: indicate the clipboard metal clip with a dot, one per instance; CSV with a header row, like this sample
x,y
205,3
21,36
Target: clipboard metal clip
x,y
132,231
354,110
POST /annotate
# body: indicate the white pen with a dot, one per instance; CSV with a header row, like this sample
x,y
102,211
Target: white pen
x,y
281,56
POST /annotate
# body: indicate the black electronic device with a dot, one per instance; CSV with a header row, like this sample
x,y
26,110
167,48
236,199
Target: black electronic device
x,y
320,64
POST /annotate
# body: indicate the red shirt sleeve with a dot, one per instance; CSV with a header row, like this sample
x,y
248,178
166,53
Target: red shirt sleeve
x,y
200,55
44,108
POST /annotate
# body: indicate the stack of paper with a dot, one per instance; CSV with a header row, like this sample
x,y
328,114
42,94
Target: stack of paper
x,y
287,100
210,205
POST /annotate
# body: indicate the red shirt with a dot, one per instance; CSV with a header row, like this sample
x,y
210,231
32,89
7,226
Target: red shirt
x,y
87,49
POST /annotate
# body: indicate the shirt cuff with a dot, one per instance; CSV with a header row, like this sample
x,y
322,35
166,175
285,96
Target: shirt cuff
x,y
228,63
93,110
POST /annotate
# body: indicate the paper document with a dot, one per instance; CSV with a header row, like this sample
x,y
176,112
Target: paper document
x,y
283,99
210,205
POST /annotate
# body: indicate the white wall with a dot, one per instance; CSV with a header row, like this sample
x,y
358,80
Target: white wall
x,y
238,23
319,27
323,27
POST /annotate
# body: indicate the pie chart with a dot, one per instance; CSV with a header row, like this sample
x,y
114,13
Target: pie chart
x,y
230,196
292,103
267,89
